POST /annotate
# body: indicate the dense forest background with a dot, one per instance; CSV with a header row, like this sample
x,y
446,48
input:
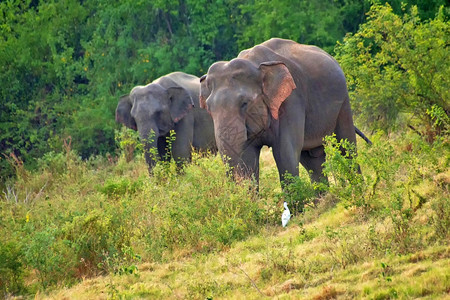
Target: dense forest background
x,y
65,63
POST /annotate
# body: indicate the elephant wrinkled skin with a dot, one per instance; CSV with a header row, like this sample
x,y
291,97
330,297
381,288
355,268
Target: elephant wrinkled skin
x,y
281,94
168,103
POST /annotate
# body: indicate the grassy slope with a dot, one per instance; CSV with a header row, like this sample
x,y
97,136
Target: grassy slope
x,y
276,263
322,254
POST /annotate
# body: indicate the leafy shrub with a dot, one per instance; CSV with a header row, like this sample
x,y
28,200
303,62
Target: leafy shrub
x,y
388,189
440,119
202,209
11,269
99,237
441,219
342,169
50,256
385,77
120,187
122,263
299,192
128,142
56,162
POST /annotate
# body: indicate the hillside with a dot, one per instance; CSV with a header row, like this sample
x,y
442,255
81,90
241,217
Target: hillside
x,y
104,229
321,259
284,265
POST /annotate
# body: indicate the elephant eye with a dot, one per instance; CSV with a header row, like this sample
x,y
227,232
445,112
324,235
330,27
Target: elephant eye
x,y
244,105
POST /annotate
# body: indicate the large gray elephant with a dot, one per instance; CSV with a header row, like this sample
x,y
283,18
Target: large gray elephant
x,y
168,103
281,94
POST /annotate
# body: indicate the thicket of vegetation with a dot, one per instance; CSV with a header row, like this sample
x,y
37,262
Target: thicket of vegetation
x,y
398,71
74,219
65,63
74,211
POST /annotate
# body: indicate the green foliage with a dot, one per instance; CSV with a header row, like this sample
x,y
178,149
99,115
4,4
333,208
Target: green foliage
x,y
441,219
205,211
121,187
11,269
342,167
127,141
320,23
390,188
39,71
298,192
397,65
440,119
101,238
50,256
121,264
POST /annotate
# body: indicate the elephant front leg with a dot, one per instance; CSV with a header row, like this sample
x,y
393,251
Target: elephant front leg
x,y
287,160
182,145
164,154
181,153
248,165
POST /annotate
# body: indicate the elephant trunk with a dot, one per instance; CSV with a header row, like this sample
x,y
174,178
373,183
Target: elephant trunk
x,y
149,139
231,139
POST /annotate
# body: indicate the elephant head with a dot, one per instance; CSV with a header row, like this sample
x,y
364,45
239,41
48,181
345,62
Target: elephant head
x,y
243,100
153,111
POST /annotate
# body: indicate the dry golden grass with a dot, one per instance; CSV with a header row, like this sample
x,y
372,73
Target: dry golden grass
x,y
276,264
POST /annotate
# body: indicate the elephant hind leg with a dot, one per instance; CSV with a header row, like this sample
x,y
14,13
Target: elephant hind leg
x,y
345,129
312,160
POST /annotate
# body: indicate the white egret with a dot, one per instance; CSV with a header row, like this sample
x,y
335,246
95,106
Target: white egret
x,y
286,215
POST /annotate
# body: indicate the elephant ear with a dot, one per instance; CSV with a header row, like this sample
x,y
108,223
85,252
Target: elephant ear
x,y
123,112
204,91
180,103
278,84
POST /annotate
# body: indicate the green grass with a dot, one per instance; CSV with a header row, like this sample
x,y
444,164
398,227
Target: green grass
x,y
104,229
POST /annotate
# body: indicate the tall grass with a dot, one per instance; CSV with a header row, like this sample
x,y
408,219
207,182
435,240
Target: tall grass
x,y
74,219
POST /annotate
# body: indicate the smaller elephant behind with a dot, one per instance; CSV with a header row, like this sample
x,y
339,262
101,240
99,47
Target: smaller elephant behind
x,y
168,103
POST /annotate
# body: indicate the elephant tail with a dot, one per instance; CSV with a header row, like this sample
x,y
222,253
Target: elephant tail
x,y
359,132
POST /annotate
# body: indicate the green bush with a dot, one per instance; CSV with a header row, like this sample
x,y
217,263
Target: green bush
x,y
342,169
119,187
395,188
441,219
49,255
202,209
299,192
54,162
122,263
11,269
99,237
396,68
127,141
